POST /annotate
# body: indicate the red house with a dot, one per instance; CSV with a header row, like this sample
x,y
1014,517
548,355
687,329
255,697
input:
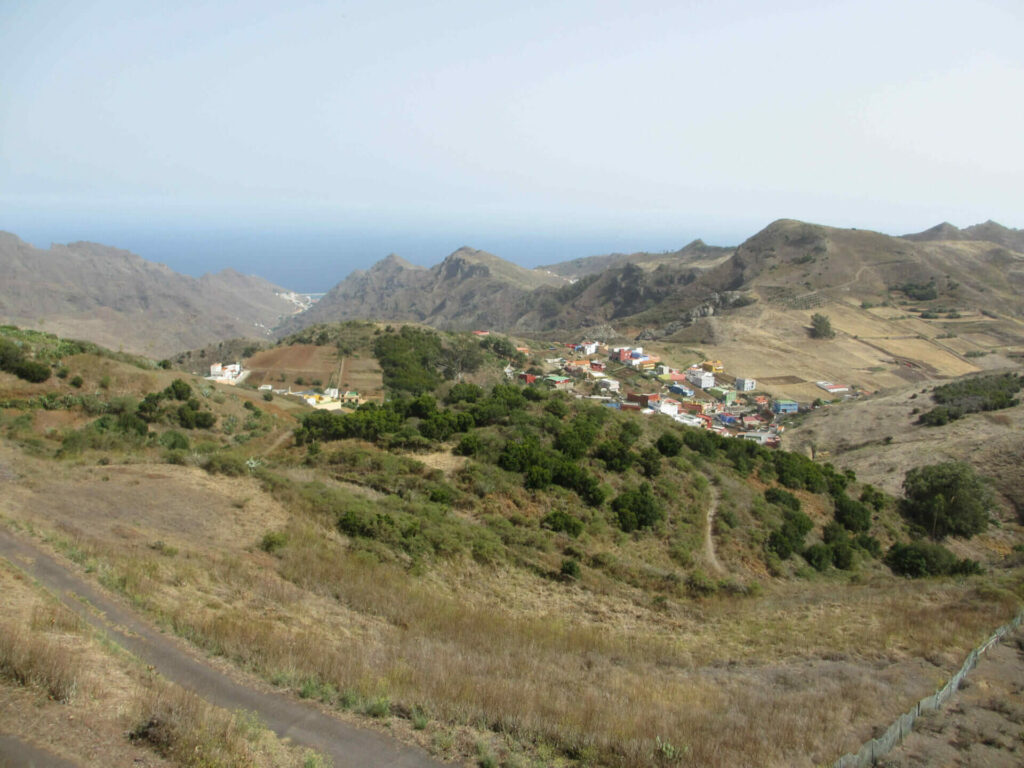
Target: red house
x,y
528,378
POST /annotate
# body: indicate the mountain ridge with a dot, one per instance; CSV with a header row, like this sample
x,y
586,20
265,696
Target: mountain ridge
x,y
114,297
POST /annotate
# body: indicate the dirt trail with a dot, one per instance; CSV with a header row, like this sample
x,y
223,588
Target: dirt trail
x,y
709,541
299,721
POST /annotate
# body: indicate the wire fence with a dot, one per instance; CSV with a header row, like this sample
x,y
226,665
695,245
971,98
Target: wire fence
x,y
873,750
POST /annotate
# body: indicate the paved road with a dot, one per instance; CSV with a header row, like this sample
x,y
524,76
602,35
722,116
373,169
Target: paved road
x,y
299,721
15,753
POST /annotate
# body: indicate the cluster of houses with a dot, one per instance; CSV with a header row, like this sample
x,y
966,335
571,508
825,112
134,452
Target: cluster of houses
x,y
699,396
330,399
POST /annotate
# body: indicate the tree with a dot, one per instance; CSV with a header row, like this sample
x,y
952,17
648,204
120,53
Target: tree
x,y
821,327
947,499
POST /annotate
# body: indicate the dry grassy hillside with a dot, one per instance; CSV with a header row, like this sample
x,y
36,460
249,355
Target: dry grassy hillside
x,y
436,596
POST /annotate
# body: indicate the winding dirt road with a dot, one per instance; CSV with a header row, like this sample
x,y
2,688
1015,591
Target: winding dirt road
x,y
298,721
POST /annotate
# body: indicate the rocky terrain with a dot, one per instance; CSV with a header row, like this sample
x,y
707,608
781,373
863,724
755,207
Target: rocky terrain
x,y
115,298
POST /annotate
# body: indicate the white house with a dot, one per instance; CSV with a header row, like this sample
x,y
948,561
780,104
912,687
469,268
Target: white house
x,y
668,406
746,385
700,378
227,374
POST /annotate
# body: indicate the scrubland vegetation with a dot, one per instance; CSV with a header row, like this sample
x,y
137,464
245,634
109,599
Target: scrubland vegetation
x,y
478,561
972,395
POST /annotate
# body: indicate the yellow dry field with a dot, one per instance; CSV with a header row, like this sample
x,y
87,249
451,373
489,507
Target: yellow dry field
x,y
871,351
925,353
137,505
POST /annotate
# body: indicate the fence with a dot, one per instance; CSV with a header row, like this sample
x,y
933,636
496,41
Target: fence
x,y
873,750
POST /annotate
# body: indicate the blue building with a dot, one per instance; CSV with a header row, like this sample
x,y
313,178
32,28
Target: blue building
x,y
785,406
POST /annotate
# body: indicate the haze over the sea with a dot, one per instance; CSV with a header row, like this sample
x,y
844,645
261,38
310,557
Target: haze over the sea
x,y
301,140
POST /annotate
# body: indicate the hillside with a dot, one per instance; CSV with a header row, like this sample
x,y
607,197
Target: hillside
x,y
495,572
989,231
115,298
468,289
788,265
695,254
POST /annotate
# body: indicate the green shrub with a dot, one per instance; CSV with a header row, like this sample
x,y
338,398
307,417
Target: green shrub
x,y
853,515
819,556
925,558
570,569
179,390
782,498
561,521
226,464
76,381
272,541
637,508
669,444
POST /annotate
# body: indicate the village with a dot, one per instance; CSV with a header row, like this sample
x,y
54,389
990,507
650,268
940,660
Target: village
x,y
701,395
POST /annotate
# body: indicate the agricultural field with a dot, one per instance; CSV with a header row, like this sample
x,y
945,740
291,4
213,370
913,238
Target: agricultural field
x,y
877,349
304,366
362,374
297,366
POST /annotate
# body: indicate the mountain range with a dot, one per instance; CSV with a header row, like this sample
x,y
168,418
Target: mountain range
x,y
115,298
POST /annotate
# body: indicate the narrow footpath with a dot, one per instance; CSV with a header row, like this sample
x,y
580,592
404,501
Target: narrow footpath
x,y
709,540
301,722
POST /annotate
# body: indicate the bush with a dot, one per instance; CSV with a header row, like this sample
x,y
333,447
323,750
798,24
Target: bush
x,y
819,556
669,444
789,538
980,393
637,508
782,498
469,445
853,515
268,396
615,454
225,464
76,381
947,499
562,522
570,569
32,371
179,390
463,392
925,558
273,541
174,440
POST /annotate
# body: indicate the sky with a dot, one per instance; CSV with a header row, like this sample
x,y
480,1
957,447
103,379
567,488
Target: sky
x,y
299,140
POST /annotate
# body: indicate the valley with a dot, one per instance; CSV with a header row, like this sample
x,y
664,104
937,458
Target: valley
x,y
493,558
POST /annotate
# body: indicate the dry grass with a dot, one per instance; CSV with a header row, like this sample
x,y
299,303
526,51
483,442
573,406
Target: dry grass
x,y
181,726
774,680
794,676
34,659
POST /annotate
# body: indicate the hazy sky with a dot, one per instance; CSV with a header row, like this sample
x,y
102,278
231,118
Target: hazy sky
x,y
331,133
